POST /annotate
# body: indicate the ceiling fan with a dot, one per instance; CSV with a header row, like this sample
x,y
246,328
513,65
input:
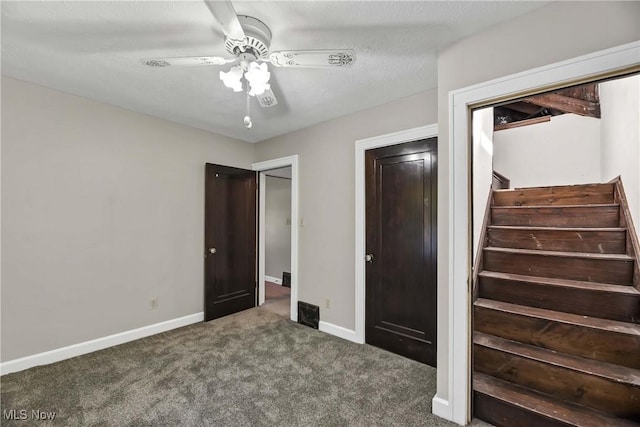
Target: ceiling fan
x,y
248,40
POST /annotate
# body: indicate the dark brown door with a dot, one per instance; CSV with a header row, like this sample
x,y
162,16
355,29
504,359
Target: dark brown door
x,y
230,240
401,212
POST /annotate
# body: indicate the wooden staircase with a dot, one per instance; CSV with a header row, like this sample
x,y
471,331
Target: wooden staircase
x,y
556,315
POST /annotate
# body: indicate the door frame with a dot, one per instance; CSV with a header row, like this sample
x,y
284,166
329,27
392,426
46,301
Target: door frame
x,y
455,405
362,145
262,167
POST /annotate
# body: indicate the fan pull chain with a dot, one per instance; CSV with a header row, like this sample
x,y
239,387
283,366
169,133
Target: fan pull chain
x,y
247,118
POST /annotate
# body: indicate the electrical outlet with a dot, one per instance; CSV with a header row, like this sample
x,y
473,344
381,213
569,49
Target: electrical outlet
x,y
153,303
327,303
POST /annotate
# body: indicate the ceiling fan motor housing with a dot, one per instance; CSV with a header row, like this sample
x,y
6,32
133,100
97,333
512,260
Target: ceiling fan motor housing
x,y
258,38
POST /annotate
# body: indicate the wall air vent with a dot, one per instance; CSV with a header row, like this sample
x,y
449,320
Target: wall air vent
x,y
308,314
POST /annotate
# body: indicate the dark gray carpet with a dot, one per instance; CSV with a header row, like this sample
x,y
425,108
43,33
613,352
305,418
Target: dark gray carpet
x,y
253,368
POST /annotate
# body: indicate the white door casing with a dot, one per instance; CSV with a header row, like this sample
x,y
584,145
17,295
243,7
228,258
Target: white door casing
x,y
261,167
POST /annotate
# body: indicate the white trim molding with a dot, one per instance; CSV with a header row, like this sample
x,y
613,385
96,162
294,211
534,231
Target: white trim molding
x,y
273,280
363,145
456,405
338,331
79,349
261,167
440,407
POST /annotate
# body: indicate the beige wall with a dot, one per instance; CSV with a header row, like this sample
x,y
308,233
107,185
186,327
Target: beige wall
x,y
102,209
327,196
556,32
277,226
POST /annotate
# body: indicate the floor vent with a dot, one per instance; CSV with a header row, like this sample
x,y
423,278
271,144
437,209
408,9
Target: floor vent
x,y
308,314
286,279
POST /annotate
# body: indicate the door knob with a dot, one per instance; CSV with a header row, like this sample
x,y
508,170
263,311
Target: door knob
x,y
212,250
368,258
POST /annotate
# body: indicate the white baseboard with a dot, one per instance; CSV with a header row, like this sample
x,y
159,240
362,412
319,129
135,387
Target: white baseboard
x,y
441,408
338,331
97,344
273,280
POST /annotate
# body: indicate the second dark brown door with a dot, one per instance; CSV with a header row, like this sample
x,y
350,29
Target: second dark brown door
x,y
230,240
401,212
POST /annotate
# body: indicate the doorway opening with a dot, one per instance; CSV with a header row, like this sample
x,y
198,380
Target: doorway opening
x,y
235,266
278,225
583,134
278,235
453,400
556,192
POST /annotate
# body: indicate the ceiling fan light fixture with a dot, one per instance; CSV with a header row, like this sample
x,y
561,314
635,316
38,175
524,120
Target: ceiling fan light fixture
x,y
258,77
233,78
248,39
267,99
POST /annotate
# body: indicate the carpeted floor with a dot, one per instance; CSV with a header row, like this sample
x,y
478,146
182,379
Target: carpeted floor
x,y
254,368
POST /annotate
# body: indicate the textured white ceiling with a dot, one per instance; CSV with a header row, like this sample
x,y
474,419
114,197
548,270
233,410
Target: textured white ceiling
x,y
91,49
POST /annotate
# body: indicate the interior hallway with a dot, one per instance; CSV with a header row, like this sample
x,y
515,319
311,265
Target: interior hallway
x,y
277,299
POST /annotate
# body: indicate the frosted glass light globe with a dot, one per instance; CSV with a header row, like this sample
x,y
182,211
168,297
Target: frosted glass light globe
x,y
232,78
258,76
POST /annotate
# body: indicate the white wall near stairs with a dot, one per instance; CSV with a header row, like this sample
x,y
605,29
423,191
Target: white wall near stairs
x,y
620,134
482,168
569,149
562,151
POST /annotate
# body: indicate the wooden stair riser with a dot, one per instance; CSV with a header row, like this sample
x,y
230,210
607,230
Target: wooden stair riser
x,y
506,405
502,414
619,306
603,216
620,399
611,242
612,271
590,194
593,343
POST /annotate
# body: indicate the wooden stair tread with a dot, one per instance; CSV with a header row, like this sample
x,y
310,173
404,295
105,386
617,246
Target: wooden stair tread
x,y
556,207
562,317
544,405
578,284
607,371
606,186
589,255
576,229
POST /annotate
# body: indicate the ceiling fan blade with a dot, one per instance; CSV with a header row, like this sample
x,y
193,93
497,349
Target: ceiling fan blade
x,y
267,99
226,16
313,58
186,61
